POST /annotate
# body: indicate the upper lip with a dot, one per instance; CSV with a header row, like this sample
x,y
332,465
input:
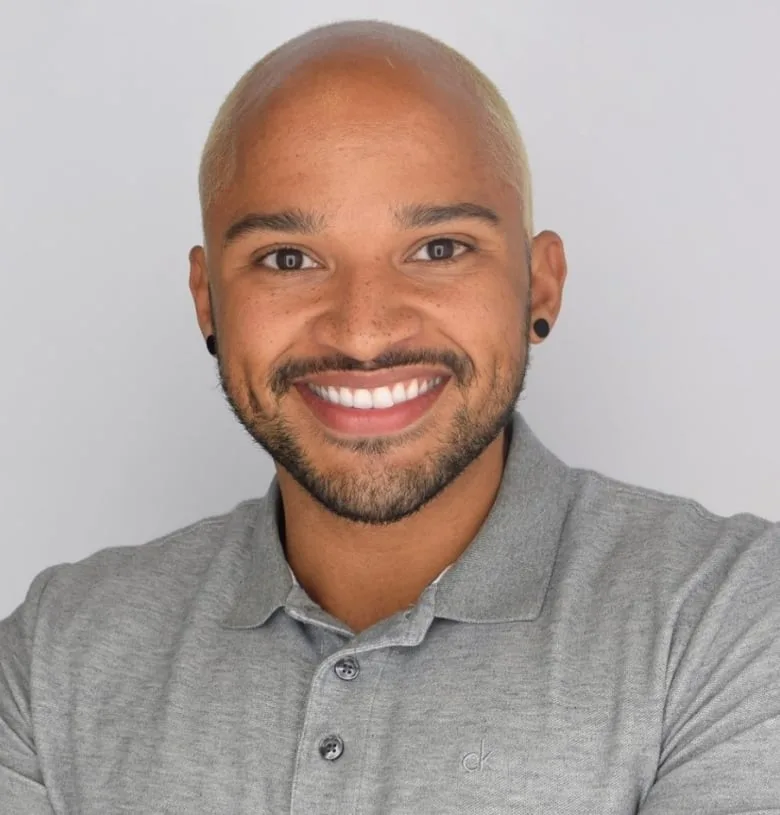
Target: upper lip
x,y
372,379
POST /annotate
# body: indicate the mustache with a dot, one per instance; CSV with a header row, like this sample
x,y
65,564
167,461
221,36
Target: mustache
x,y
282,378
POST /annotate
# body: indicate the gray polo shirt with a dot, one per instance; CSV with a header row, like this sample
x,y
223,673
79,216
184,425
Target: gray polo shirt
x,y
598,648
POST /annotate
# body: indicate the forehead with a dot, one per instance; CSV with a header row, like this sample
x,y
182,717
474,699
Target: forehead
x,y
350,127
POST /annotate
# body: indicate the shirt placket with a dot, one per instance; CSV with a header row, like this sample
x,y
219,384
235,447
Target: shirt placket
x,y
339,720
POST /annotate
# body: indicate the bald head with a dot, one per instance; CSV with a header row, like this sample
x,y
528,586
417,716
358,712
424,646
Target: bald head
x,y
402,68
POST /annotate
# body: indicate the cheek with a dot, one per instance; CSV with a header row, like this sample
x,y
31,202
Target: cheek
x,y
485,318
257,329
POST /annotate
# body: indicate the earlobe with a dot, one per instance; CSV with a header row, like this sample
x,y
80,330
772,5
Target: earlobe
x,y
548,275
541,328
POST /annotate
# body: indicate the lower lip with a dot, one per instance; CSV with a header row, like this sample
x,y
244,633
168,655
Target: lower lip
x,y
373,422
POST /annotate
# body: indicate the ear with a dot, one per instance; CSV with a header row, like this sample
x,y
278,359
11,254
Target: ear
x,y
548,276
199,288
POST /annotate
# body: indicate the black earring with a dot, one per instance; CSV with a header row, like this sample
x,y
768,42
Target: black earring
x,y
211,344
541,328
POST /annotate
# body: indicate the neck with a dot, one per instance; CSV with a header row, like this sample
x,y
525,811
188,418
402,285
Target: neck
x,y
362,573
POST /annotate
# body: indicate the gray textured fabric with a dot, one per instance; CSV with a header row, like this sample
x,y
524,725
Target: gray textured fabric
x,y
598,648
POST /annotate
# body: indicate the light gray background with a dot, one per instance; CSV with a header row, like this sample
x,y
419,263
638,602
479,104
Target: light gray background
x,y
653,132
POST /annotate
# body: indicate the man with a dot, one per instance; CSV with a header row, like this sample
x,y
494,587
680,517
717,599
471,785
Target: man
x,y
428,612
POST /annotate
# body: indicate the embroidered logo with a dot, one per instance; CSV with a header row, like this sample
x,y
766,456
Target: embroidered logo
x,y
476,762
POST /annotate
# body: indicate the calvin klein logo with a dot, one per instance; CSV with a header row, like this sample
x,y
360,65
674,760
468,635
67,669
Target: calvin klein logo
x,y
475,762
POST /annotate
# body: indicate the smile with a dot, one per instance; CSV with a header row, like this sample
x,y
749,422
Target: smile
x,y
380,398
390,407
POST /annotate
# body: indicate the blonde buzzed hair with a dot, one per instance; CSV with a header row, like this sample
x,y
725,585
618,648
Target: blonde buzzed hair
x,y
505,144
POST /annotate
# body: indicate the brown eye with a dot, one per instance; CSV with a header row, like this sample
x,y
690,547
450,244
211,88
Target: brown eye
x,y
440,249
287,259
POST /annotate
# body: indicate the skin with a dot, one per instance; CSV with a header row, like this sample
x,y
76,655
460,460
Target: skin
x,y
353,138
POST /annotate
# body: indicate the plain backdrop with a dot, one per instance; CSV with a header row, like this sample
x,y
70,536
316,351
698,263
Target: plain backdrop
x,y
653,133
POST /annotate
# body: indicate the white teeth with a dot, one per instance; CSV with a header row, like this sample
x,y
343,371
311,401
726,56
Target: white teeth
x,y
382,397
362,399
378,398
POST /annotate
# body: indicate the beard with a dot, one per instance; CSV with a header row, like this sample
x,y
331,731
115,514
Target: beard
x,y
371,492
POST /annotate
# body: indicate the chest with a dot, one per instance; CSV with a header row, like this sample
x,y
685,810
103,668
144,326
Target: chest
x,y
284,721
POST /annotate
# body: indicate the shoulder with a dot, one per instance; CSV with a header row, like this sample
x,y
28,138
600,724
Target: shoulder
x,y
160,575
642,518
670,554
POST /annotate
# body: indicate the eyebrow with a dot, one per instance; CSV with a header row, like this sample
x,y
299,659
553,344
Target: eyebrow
x,y
291,220
418,215
299,222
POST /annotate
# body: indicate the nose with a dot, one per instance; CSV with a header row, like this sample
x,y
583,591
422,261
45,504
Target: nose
x,y
366,311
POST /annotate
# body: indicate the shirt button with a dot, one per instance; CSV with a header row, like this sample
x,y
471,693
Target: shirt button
x,y
331,748
347,668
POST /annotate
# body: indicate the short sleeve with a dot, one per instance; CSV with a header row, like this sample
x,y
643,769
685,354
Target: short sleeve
x,y
721,742
22,788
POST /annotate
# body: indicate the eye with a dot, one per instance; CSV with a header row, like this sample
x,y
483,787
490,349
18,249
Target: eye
x,y
441,249
287,259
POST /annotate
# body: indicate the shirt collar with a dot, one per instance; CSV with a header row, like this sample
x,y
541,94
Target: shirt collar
x,y
502,576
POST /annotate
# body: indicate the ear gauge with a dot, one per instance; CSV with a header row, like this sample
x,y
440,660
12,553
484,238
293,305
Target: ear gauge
x,y
211,344
541,328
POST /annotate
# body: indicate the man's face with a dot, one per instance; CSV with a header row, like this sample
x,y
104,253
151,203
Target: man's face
x,y
359,286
